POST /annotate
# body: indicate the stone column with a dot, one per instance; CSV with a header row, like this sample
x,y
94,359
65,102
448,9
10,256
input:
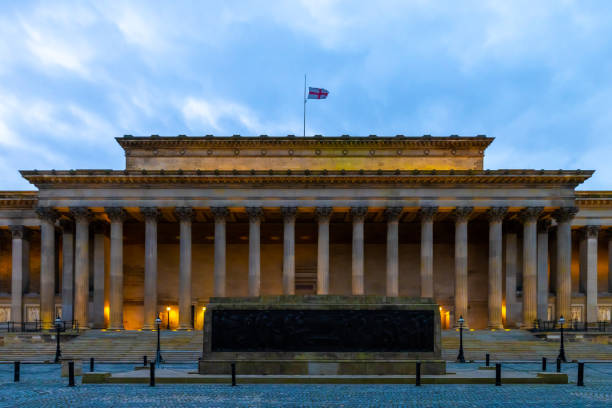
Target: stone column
x,y
185,215
288,250
511,270
67,269
427,278
220,214
496,216
151,214
564,217
81,216
542,280
48,216
358,214
462,214
115,298
255,216
393,214
592,233
20,273
99,261
581,235
323,215
529,217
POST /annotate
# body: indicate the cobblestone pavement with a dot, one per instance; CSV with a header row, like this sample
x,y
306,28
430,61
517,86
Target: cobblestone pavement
x,y
42,386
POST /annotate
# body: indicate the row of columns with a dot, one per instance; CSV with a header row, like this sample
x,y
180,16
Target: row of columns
x,y
76,261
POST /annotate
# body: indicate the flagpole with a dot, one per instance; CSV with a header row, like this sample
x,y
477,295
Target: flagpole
x,y
304,105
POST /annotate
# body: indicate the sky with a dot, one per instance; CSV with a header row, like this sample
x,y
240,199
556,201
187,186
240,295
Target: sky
x,y
536,75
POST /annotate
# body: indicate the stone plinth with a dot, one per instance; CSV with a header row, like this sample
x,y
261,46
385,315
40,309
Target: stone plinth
x,y
322,335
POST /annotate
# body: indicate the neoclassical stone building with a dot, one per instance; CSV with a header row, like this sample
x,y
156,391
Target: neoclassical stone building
x,y
194,217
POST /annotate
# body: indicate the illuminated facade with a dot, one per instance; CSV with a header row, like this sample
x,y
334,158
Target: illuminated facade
x,y
195,217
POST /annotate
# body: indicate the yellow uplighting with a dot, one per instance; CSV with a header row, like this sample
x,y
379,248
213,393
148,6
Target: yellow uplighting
x,y
204,308
492,329
506,329
471,329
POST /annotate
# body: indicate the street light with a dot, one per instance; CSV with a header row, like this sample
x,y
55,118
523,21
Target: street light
x,y
168,310
58,352
561,347
460,357
158,357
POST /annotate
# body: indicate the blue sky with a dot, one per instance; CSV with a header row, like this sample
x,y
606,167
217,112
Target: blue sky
x,y
536,75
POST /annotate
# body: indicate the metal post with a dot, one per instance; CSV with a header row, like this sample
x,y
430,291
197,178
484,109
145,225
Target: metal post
x,y
580,374
144,361
562,348
233,374
558,365
58,352
91,365
17,368
487,359
543,363
152,374
460,357
497,374
71,373
418,374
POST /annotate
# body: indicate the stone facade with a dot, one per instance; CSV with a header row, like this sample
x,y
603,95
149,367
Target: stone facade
x,y
196,217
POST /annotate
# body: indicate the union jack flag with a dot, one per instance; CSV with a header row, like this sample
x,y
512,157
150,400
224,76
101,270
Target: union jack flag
x,y
317,93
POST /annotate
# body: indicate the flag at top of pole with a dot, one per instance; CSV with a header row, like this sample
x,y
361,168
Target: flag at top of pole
x,y
313,93
317,93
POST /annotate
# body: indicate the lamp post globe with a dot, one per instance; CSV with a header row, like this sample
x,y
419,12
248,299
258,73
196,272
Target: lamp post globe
x,y
58,351
460,357
562,346
158,357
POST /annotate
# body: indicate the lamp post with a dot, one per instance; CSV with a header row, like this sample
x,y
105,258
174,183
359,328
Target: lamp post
x,y
58,352
158,357
561,347
460,357
168,310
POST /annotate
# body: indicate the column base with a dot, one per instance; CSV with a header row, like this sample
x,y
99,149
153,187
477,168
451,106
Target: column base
x,y
148,327
184,327
116,327
495,326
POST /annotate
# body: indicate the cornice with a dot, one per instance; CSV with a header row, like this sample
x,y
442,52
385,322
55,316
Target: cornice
x,y
18,199
594,199
570,178
150,142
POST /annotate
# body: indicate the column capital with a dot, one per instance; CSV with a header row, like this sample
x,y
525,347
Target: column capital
x,y
544,225
323,213
80,213
219,213
565,214
359,213
98,227
462,213
393,213
47,214
116,214
288,213
150,213
184,213
428,213
255,213
591,231
530,214
19,232
67,225
497,213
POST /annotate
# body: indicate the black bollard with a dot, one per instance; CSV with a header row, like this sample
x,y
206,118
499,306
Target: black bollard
x,y
558,365
91,365
152,374
487,359
543,363
144,361
17,368
580,374
233,374
71,373
497,374
417,381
